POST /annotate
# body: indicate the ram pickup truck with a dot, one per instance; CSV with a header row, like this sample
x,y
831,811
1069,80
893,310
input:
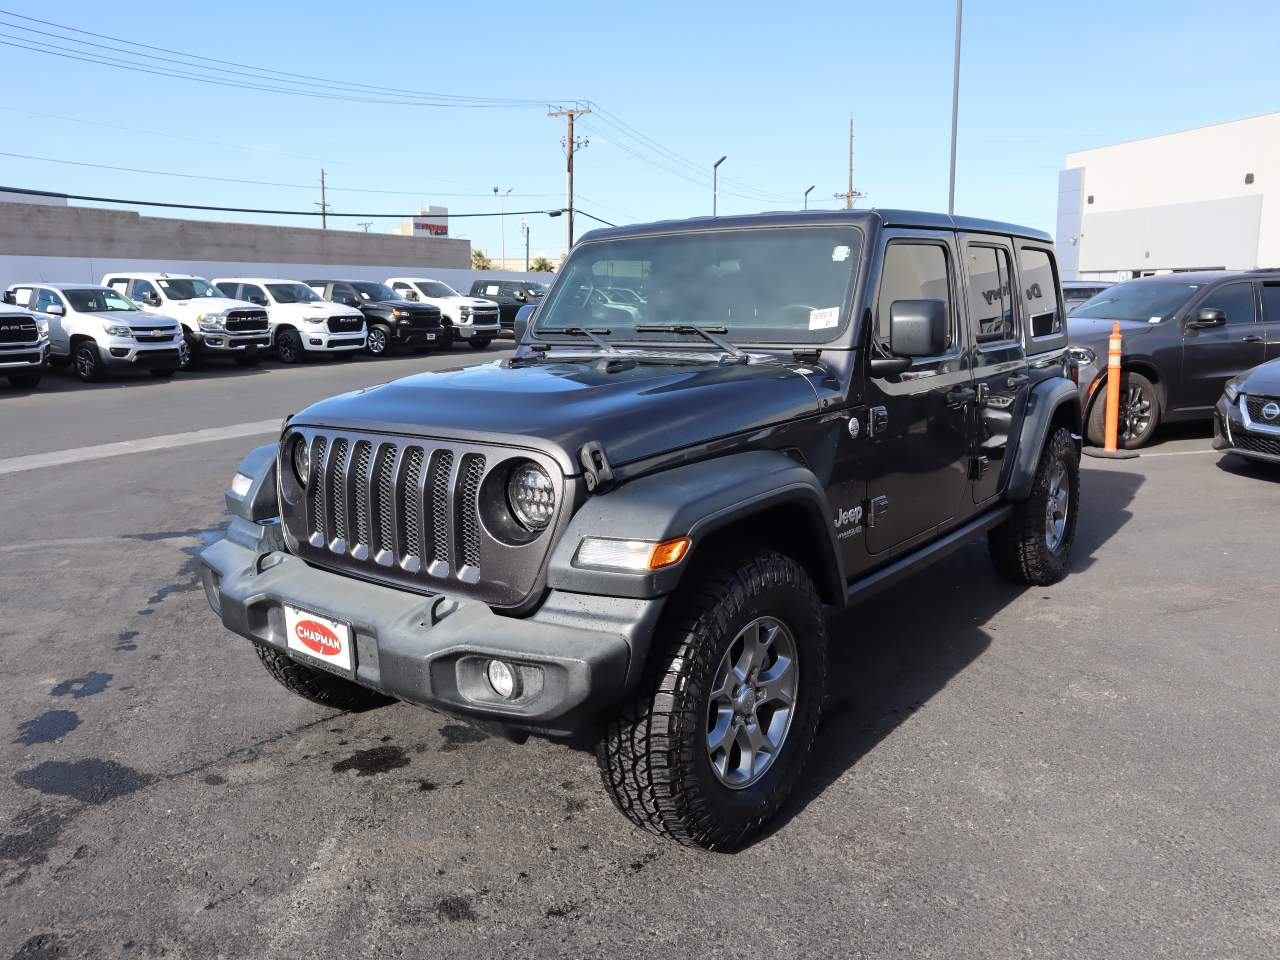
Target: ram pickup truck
x,y
392,321
632,529
99,331
301,322
212,325
474,320
24,345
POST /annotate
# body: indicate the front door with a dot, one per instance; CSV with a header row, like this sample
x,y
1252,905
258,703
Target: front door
x,y
918,422
999,357
58,339
1271,317
1212,356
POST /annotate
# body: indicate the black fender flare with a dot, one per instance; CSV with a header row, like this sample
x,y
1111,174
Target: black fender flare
x,y
1047,398
693,500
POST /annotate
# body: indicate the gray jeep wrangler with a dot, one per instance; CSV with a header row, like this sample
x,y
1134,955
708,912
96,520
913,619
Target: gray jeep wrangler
x,y
713,433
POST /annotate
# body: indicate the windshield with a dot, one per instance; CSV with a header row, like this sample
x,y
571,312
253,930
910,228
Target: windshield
x,y
98,301
536,289
187,288
780,284
434,288
292,293
375,291
1142,300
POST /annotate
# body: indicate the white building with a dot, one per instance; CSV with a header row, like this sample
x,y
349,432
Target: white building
x,y
430,222
1207,198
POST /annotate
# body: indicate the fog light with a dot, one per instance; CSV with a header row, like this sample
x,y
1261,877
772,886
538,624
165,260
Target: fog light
x,y
315,342
504,679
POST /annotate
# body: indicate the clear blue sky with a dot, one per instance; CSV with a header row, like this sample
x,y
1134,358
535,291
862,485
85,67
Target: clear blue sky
x,y
771,85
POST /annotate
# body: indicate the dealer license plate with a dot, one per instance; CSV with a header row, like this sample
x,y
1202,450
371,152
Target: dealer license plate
x,y
318,638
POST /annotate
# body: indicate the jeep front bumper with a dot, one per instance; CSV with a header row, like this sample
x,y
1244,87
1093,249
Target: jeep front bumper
x,y
433,650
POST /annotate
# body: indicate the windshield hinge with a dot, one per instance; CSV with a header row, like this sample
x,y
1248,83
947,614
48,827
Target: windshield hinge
x,y
806,355
596,470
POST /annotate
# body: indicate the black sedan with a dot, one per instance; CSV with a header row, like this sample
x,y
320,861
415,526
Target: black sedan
x,y
1247,417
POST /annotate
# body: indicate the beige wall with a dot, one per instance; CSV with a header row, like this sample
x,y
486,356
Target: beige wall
x,y
37,230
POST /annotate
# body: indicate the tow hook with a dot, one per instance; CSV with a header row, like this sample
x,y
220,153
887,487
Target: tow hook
x,y
595,465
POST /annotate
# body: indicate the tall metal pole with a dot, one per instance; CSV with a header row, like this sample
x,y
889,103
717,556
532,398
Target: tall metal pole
x,y
955,110
715,183
848,202
324,207
502,221
806,196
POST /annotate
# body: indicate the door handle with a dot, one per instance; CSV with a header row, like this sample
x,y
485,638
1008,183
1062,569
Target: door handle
x,y
1251,338
961,396
1017,380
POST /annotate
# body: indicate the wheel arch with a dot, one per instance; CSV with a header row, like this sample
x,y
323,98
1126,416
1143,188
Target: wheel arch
x,y
1053,403
1141,365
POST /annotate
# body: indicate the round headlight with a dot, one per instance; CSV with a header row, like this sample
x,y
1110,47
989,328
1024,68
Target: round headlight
x,y
301,460
531,496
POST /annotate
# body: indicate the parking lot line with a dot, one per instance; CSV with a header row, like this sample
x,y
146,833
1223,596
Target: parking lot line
x,y
58,458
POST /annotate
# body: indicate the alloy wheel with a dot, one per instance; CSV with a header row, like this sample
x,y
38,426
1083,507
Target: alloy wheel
x,y
753,699
86,363
1056,506
1135,413
377,342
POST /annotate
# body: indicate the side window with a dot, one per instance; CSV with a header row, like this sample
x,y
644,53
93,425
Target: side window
x,y
1235,300
19,296
990,293
119,285
913,271
405,290
46,299
252,293
1271,302
229,290
1040,291
344,294
140,290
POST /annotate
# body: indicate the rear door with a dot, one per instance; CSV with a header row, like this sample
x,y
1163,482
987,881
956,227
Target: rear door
x,y
919,421
1212,356
1271,317
999,358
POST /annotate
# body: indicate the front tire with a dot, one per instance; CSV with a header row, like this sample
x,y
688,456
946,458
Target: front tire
x,y
189,357
378,341
1139,413
87,362
719,732
1033,546
318,686
289,347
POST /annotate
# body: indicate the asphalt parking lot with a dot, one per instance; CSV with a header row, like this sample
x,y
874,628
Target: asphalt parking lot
x,y
1087,770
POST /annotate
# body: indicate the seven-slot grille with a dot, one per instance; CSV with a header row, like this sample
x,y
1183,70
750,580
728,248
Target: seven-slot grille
x,y
18,330
246,321
1255,405
345,324
381,503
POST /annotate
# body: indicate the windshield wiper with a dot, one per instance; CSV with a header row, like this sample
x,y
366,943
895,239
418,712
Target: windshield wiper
x,y
710,334
592,335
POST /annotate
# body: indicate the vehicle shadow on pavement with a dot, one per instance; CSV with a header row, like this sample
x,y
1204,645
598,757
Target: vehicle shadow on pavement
x,y
892,653
64,381
1250,469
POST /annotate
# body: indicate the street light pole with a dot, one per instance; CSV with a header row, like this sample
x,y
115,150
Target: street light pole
x,y
715,183
524,228
955,110
502,221
806,196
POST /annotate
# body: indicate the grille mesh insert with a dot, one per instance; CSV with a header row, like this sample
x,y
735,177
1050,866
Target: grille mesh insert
x,y
411,504
385,533
441,467
314,467
337,501
473,473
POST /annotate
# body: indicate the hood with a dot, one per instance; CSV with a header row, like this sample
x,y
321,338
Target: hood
x,y
477,302
130,318
410,305
1263,379
636,412
1091,331
324,308
212,305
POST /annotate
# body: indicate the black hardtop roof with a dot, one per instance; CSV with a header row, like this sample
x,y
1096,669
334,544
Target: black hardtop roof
x,y
888,218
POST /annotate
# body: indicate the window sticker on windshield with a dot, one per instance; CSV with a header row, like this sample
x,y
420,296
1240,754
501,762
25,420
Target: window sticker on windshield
x,y
822,319
1155,319
840,254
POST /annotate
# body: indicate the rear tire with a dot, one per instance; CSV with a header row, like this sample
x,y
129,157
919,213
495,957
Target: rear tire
x,y
289,347
25,381
685,758
1033,546
1139,413
318,686
87,362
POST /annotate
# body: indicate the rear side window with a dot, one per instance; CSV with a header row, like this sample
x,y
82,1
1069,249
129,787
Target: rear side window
x,y
913,271
990,293
1040,291
229,290
1233,299
1271,302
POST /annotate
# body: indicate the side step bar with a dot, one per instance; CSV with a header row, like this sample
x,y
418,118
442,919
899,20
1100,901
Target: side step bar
x,y
917,560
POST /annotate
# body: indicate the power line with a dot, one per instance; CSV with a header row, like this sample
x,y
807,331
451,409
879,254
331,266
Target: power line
x,y
25,191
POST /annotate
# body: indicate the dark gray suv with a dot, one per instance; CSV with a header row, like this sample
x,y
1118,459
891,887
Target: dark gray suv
x,y
1185,335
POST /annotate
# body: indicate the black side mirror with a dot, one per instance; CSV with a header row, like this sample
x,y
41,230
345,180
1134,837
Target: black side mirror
x,y
258,301
917,328
151,299
1208,317
521,323
519,295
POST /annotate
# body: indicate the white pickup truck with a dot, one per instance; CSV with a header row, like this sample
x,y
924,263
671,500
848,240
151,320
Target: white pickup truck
x,y
300,321
24,345
474,320
214,326
98,330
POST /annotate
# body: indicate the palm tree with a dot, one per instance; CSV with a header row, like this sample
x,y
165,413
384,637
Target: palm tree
x,y
541,265
479,261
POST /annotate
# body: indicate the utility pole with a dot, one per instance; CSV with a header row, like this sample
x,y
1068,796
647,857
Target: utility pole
x,y
324,207
570,145
502,221
365,225
955,111
851,195
524,228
